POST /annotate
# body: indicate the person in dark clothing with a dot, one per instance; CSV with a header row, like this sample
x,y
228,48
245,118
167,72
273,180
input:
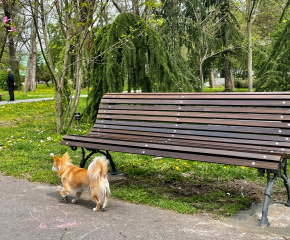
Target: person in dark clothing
x,y
10,84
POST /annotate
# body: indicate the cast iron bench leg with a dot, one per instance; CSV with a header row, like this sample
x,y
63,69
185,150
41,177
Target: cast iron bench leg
x,y
85,159
106,154
286,182
270,182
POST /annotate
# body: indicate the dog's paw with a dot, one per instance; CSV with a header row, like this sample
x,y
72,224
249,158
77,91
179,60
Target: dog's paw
x,y
65,198
103,208
95,209
73,201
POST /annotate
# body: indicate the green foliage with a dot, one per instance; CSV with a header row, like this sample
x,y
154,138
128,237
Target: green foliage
x,y
128,51
274,71
3,79
57,41
42,73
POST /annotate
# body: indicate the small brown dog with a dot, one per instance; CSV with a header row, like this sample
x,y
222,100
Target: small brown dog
x,y
79,179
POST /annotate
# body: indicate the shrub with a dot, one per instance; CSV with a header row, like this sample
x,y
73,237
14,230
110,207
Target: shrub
x,y
239,83
3,80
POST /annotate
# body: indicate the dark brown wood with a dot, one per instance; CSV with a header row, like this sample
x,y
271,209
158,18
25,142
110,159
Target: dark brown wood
x,y
181,155
187,142
274,110
197,96
208,150
241,142
257,103
214,128
245,129
267,117
196,120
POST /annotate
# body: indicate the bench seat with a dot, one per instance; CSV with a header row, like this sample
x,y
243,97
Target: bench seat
x,y
242,129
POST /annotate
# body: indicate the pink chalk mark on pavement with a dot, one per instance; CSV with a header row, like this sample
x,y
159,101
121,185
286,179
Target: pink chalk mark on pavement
x,y
48,222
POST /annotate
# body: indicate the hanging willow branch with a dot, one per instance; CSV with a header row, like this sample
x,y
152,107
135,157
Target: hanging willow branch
x,y
141,62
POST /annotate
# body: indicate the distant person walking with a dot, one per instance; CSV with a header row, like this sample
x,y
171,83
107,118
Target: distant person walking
x,y
10,84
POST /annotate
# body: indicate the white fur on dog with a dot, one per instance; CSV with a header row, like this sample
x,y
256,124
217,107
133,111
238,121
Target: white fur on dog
x,y
105,187
96,175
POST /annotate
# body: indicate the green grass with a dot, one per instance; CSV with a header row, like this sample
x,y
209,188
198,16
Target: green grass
x,y
221,89
28,136
42,91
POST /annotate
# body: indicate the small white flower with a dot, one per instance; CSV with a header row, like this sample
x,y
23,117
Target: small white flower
x,y
12,136
229,194
41,141
0,148
49,138
23,137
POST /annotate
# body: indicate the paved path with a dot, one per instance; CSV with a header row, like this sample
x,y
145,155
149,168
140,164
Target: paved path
x,y
30,100
35,211
25,100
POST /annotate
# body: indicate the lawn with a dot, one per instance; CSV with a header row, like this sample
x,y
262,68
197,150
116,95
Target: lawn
x,y
42,91
28,136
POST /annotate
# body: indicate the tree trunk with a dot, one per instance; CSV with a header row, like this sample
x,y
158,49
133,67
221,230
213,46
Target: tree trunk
x,y
34,52
232,81
201,77
18,75
79,79
58,96
13,60
3,45
212,79
27,75
250,54
227,75
212,82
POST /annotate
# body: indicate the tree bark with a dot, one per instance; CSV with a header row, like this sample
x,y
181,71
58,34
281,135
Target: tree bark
x,y
27,75
13,60
227,75
34,51
212,78
250,9
3,45
201,77
250,55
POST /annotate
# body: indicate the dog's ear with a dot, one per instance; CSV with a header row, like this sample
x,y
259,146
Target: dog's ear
x,y
56,158
66,157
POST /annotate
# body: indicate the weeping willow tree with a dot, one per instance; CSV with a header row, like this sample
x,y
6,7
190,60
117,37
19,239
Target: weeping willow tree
x,y
274,74
128,52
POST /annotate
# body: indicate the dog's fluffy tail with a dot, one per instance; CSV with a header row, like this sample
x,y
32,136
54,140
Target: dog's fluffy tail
x,y
97,171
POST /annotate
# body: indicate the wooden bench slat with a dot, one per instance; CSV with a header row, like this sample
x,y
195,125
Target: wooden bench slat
x,y
214,128
187,142
205,93
267,117
196,120
281,145
207,150
181,155
258,103
273,110
188,96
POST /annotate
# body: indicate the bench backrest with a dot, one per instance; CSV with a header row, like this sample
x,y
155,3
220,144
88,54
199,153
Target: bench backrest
x,y
255,122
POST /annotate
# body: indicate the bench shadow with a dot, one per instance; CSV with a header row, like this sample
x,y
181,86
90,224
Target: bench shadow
x,y
87,203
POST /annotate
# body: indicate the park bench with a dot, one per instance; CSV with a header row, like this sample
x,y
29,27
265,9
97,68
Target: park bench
x,y
1,96
242,129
